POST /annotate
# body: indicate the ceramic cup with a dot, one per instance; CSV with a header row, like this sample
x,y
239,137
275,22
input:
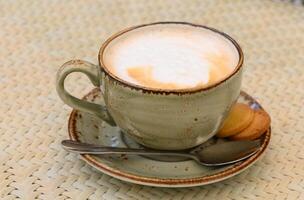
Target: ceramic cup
x,y
156,118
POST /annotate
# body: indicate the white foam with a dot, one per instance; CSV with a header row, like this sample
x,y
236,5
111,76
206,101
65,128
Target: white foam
x,y
178,55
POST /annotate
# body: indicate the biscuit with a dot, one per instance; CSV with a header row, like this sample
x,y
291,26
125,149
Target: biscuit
x,y
239,118
258,127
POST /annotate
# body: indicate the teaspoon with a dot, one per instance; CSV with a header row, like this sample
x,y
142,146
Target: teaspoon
x,y
213,155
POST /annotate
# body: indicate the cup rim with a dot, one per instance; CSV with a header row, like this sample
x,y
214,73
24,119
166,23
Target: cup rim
x,y
168,91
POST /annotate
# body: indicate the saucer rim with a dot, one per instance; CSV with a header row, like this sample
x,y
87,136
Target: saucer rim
x,y
168,182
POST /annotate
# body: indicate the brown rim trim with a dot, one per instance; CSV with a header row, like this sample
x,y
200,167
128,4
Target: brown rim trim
x,y
168,91
200,180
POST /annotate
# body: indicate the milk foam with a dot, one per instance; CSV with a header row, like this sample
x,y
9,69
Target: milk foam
x,y
171,56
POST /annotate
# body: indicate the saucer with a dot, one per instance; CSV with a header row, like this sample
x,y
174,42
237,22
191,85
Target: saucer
x,y
152,171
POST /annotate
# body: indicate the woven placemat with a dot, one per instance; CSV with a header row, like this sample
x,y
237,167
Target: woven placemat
x,y
36,37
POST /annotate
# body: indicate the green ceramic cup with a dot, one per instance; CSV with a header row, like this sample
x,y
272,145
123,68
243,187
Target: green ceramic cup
x,y
156,118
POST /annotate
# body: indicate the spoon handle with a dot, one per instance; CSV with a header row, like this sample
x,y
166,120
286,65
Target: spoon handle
x,y
84,148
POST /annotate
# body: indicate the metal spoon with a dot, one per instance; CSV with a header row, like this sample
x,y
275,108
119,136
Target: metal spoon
x,y
213,155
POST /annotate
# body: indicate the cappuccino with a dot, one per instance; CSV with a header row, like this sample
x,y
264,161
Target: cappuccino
x,y
171,56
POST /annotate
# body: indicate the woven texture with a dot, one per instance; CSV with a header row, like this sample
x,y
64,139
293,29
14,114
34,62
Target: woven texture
x,y
38,36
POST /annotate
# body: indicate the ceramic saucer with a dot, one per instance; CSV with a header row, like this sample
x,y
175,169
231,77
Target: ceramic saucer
x,y
87,128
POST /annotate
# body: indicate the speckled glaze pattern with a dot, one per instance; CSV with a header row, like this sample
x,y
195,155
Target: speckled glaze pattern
x,y
155,171
156,118
170,121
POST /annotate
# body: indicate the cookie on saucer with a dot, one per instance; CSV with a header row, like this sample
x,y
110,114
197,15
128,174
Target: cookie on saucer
x,y
258,127
239,118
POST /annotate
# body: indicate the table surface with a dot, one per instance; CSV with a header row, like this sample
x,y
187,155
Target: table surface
x,y
38,36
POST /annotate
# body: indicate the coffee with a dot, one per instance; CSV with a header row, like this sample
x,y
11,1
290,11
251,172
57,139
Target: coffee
x,y
171,56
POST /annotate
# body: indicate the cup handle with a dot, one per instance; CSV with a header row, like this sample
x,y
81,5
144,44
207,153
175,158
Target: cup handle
x,y
92,71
